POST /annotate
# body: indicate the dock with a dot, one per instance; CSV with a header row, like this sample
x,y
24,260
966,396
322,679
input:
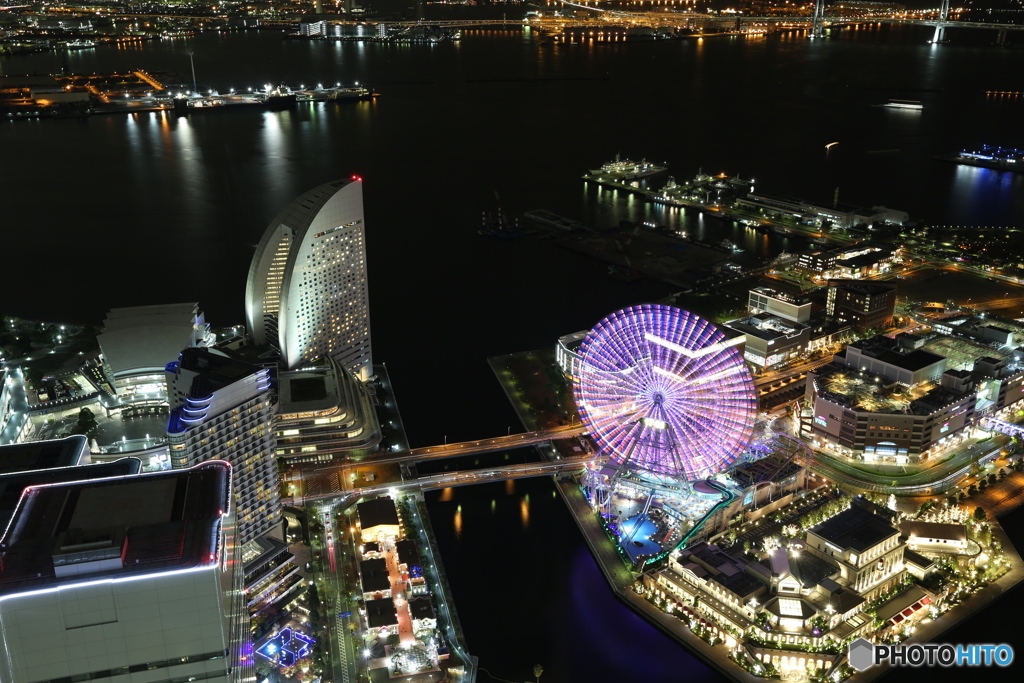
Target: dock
x,y
76,95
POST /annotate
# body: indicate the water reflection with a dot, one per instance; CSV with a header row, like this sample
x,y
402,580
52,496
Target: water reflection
x,y
986,195
524,511
457,522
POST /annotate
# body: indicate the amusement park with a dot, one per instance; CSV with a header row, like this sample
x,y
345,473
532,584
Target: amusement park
x,y
725,531
671,405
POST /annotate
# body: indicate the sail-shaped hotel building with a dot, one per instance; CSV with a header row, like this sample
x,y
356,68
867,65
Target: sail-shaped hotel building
x,y
306,294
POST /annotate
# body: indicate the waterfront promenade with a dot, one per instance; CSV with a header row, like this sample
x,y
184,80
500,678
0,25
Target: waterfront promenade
x,y
621,581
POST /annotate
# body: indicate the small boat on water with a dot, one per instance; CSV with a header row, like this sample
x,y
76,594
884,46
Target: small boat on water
x,y
903,104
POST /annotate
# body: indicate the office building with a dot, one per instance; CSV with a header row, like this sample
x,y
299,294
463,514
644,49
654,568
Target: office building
x,y
124,579
138,342
222,409
864,305
306,294
787,306
770,340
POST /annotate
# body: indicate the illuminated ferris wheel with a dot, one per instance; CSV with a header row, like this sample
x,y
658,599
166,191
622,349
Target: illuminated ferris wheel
x,y
664,393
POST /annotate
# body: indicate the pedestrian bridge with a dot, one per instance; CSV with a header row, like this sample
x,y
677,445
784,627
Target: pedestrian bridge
x,y
1002,426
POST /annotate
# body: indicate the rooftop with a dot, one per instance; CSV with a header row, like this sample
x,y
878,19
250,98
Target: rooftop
x,y
315,387
861,286
767,327
261,549
376,512
381,613
421,608
887,350
855,529
788,297
936,530
917,559
147,337
866,391
115,528
912,598
374,575
742,584
776,467
41,455
962,353
844,599
214,369
13,484
408,553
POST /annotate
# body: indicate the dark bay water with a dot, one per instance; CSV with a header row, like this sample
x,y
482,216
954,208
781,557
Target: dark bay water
x,y
153,208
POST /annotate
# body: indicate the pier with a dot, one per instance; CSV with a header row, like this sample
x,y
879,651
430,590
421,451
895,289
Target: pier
x,y
77,95
711,195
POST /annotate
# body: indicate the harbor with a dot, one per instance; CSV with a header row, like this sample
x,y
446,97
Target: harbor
x,y
989,156
80,95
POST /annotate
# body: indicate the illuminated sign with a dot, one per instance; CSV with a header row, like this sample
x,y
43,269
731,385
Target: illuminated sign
x,y
819,420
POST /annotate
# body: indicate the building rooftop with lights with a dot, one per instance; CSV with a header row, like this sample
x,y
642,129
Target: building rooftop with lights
x,y
107,577
884,401
137,343
323,410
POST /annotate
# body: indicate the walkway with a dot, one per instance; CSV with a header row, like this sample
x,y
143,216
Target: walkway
x,y
397,591
15,379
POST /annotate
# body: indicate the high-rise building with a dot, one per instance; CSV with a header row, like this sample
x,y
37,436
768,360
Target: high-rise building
x,y
222,408
862,304
125,578
307,293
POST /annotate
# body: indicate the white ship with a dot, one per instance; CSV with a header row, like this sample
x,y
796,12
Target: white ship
x,y
903,104
627,169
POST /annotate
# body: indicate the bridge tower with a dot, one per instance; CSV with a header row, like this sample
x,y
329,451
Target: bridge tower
x,y
940,25
818,22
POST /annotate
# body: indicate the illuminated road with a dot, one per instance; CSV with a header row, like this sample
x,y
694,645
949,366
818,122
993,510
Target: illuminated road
x,y
451,450
785,373
936,479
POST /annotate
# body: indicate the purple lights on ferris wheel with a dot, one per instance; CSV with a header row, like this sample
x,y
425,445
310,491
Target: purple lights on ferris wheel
x,y
664,391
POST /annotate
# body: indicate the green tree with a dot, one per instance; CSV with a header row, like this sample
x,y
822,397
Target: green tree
x,y
86,422
393,640
537,671
979,514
